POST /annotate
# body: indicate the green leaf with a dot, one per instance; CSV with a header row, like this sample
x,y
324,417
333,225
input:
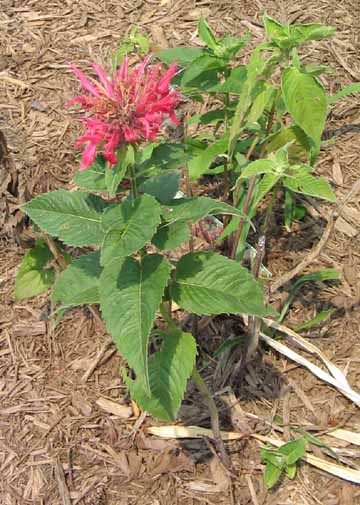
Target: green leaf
x,y
115,174
213,116
169,370
328,274
235,82
306,101
254,68
74,217
317,70
319,318
291,471
264,186
273,29
310,185
293,450
201,65
261,102
182,55
305,32
32,278
171,235
198,165
272,475
79,283
163,157
162,187
257,167
93,178
229,46
208,283
206,34
299,148
348,90
130,294
194,209
129,226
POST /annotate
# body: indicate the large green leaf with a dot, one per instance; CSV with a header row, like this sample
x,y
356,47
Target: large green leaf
x,y
258,167
299,148
182,55
198,165
264,186
93,178
171,235
305,32
193,209
32,278
273,29
162,187
306,101
163,157
207,283
301,181
129,226
169,370
201,65
130,294
262,99
79,283
235,82
254,68
74,217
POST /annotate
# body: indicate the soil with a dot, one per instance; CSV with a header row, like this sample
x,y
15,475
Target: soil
x,y
59,444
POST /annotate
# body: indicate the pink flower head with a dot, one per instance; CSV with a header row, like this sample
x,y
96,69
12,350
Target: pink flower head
x,y
128,107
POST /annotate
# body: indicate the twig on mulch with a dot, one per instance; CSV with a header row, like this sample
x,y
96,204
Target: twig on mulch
x,y
62,486
98,358
54,250
288,276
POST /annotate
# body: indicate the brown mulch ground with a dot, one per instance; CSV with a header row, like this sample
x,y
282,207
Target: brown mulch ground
x,y
57,444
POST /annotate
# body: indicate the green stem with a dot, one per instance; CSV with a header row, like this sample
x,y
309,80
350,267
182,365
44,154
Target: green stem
x,y
245,210
269,210
165,311
134,190
214,414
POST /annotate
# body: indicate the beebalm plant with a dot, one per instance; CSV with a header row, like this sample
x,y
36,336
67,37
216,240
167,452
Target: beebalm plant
x,y
262,134
124,219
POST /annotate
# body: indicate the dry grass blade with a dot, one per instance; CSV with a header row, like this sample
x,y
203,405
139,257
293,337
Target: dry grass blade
x,y
174,431
321,374
309,347
346,436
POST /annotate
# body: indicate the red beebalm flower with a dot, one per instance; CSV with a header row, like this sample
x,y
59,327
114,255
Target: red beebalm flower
x,y
128,107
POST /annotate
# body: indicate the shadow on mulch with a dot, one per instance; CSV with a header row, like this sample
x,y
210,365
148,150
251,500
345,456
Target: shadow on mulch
x,y
259,381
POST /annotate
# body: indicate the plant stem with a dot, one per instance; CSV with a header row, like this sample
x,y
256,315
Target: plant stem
x,y
214,415
165,309
248,156
245,210
54,250
269,210
226,159
134,190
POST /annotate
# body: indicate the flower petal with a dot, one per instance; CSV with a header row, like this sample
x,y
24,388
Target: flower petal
x,y
104,80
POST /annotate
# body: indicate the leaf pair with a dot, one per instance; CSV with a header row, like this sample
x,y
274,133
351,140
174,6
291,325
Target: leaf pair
x,y
282,459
